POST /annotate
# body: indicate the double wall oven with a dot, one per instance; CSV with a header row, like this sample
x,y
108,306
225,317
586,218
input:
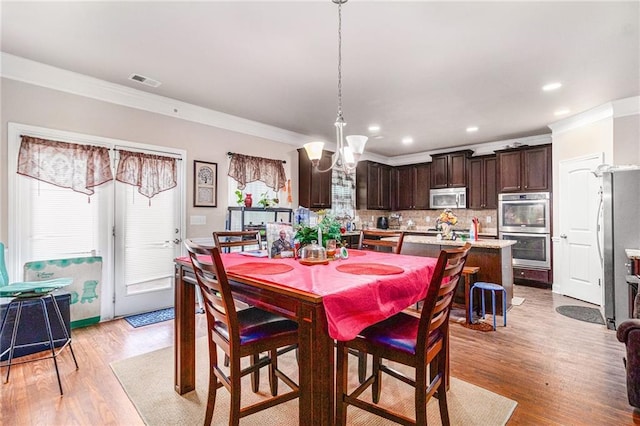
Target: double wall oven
x,y
526,218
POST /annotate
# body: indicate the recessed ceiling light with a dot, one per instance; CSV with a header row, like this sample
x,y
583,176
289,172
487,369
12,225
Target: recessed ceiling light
x,y
551,86
562,112
407,140
472,129
374,128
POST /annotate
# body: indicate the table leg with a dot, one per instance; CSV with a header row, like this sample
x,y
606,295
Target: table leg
x,y
185,334
316,363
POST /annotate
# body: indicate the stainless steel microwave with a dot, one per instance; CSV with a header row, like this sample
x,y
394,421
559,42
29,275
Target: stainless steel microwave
x,y
448,198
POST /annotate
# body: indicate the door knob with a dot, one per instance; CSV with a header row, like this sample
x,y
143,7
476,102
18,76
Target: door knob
x,y
563,236
177,241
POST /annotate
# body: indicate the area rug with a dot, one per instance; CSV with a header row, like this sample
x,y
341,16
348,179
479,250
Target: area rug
x,y
517,301
148,381
582,313
153,317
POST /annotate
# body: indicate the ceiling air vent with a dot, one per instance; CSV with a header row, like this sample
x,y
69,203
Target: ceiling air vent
x,y
144,80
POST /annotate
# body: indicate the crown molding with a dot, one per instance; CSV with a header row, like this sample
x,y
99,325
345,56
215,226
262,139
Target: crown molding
x,y
31,72
485,148
614,109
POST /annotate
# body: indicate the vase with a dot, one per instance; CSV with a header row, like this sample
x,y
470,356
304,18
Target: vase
x,y
248,201
446,231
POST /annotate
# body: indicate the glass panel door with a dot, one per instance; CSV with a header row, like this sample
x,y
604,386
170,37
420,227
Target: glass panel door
x,y
147,240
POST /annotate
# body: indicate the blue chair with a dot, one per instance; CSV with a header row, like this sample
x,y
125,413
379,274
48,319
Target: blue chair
x,y
30,292
482,286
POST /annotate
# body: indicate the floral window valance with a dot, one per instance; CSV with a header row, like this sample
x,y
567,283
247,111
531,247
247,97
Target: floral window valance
x,y
245,169
151,173
68,165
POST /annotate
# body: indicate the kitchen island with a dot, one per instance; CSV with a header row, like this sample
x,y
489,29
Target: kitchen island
x,y
493,257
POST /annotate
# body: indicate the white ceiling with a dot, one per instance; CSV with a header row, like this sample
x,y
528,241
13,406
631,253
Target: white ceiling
x,y
422,69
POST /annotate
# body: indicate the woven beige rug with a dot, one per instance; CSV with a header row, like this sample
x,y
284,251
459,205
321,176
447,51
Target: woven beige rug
x,y
148,381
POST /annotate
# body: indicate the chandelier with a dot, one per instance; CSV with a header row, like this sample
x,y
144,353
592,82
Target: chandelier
x,y
346,155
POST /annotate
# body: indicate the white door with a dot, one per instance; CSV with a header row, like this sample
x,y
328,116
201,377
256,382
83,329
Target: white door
x,y
147,240
578,265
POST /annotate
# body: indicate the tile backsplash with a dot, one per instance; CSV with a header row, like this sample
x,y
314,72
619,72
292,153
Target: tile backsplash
x,y
425,219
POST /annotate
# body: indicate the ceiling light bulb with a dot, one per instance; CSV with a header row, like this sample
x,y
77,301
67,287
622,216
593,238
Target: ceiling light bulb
x,y
407,140
472,129
374,128
562,112
551,86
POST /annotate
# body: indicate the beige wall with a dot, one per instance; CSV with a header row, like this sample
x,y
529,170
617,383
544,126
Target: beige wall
x,y
37,106
626,140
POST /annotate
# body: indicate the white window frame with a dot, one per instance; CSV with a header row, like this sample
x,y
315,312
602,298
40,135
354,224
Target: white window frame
x,y
15,222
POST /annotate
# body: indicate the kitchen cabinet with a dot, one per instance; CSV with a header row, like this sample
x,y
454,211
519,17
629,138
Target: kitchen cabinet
x,y
525,169
373,183
314,187
449,170
411,187
482,182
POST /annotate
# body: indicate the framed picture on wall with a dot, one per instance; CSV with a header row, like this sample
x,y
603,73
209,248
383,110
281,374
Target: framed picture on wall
x,y
205,184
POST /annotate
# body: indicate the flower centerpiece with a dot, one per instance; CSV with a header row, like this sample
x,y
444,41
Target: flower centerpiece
x,y
329,228
446,220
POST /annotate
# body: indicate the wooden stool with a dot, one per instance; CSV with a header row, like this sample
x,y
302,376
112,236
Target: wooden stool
x,y
470,274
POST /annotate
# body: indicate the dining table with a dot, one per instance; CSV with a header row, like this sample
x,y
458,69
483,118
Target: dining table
x,y
332,300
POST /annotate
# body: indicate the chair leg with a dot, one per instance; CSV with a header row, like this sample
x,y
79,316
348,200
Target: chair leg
x,y
376,388
504,307
213,389
362,366
273,379
471,305
47,324
493,303
255,376
342,368
64,329
483,308
235,392
14,334
420,396
442,392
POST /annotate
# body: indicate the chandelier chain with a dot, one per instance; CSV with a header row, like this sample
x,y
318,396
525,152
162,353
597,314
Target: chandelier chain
x,y
339,60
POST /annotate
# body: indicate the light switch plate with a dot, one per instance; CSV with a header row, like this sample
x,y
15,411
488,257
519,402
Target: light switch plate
x,y
488,219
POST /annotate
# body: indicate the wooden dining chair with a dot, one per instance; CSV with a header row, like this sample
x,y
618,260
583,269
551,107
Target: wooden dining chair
x,y
239,334
377,239
418,342
372,239
228,239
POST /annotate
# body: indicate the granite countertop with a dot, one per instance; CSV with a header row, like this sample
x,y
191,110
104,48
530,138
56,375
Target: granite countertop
x,y
487,243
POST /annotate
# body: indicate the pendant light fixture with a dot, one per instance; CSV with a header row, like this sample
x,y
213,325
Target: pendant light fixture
x,y
347,154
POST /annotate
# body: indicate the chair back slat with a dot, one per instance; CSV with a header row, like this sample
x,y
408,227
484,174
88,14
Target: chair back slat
x,y
215,288
228,239
371,239
437,304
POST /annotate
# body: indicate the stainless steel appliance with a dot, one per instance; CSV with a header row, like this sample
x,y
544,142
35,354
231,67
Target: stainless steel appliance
x,y
382,222
448,198
524,213
526,219
619,227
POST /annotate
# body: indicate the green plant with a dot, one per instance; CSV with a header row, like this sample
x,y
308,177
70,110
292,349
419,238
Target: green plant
x,y
240,197
330,231
267,202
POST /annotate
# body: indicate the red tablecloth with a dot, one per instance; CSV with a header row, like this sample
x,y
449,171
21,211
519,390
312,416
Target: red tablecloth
x,y
352,302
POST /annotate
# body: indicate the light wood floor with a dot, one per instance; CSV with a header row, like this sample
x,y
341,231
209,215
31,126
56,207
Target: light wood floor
x,y
560,371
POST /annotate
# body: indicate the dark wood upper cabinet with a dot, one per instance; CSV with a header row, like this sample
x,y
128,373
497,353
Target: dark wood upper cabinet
x,y
314,190
373,184
449,170
482,181
525,169
410,187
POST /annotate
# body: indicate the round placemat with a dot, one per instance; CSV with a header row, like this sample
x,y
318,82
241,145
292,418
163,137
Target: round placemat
x,y
260,268
369,269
